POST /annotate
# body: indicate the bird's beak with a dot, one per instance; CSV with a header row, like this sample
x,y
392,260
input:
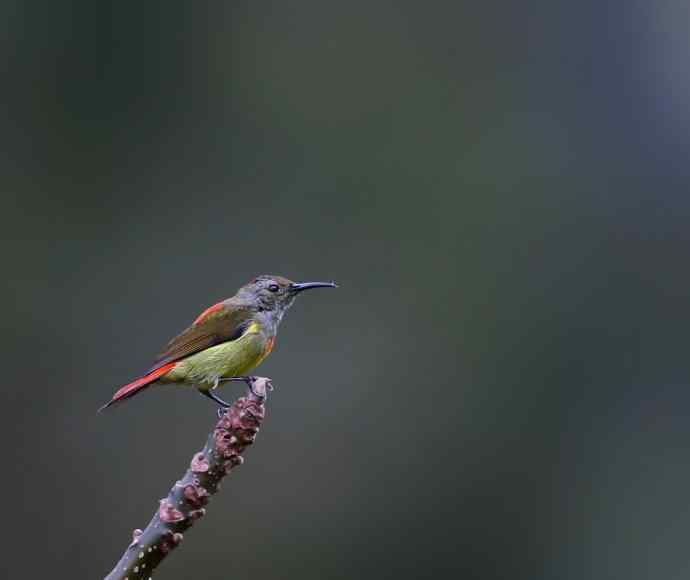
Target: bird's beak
x,y
300,286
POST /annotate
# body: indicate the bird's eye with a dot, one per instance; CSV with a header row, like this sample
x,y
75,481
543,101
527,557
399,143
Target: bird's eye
x,y
274,288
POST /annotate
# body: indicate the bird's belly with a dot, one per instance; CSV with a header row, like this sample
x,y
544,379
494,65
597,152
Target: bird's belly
x,y
229,359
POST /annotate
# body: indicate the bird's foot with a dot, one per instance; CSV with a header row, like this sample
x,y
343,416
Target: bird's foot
x,y
260,387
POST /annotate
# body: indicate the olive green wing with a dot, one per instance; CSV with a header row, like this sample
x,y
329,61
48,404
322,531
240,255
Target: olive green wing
x,y
217,324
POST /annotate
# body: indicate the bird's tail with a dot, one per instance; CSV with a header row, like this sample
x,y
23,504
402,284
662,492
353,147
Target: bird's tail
x,y
131,389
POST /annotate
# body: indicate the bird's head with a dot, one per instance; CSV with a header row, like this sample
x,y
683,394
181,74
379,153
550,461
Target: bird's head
x,y
275,293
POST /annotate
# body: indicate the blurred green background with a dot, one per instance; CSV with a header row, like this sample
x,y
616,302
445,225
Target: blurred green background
x,y
499,389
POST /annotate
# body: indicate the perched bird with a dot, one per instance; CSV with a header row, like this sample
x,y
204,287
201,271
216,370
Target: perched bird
x,y
226,341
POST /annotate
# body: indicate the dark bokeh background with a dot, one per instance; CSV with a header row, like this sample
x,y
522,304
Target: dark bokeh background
x,y
499,389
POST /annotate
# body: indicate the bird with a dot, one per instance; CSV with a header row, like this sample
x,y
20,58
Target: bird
x,y
226,341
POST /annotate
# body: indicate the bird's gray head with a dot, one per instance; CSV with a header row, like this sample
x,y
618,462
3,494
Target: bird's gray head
x,y
275,293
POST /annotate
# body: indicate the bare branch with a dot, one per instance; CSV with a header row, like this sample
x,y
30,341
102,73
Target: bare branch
x,y
236,429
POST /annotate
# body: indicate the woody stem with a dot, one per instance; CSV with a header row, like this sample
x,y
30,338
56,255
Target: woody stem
x,y
235,430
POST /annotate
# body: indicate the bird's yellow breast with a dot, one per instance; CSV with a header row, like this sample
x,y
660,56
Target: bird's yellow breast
x,y
229,359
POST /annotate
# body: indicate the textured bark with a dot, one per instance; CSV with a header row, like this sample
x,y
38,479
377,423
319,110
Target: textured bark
x,y
236,429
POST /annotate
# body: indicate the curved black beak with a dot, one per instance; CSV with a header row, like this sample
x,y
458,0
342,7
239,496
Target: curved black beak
x,y
300,286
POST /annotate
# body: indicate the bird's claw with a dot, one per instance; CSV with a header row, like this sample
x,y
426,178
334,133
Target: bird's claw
x,y
258,392
257,385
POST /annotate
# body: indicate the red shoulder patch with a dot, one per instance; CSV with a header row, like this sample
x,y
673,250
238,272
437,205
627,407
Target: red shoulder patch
x,y
208,311
269,345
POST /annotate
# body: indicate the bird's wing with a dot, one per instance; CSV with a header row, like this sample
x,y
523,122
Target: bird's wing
x,y
215,325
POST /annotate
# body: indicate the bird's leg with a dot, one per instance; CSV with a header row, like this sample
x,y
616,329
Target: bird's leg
x,y
211,395
236,379
250,380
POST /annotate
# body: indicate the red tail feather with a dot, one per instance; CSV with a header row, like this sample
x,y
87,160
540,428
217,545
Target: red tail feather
x,y
134,387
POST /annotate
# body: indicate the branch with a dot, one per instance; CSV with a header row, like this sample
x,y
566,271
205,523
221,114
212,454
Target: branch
x,y
236,429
